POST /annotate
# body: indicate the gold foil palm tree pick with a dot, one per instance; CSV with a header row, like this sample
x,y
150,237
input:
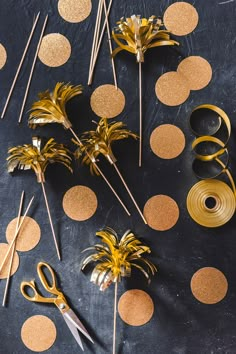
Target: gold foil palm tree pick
x,y
115,259
32,156
99,141
136,35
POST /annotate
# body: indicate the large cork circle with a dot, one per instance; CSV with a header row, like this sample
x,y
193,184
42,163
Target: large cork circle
x,y
135,307
197,71
54,50
209,285
167,141
4,247
172,89
80,203
3,56
161,212
38,333
107,101
180,18
28,236
74,10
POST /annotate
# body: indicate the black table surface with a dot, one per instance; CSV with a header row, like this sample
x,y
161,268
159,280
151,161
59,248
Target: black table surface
x,y
180,324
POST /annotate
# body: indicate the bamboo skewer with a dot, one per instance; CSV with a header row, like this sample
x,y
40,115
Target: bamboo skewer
x,y
114,323
140,115
13,251
19,66
32,69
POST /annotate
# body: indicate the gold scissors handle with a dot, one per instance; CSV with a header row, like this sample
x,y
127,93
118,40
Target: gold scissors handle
x,y
36,297
51,288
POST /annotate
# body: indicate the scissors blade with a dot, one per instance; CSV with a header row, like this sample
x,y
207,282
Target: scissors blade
x,y
71,316
74,331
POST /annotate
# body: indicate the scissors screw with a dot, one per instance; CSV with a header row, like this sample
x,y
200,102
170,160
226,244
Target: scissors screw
x,y
62,306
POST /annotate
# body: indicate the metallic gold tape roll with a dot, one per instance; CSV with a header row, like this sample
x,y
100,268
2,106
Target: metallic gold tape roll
x,y
215,191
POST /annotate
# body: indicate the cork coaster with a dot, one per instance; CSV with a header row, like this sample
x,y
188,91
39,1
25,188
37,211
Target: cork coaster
x,y
167,141
38,333
197,71
55,50
107,101
135,307
209,285
29,234
80,203
4,272
3,56
172,89
180,18
74,10
161,212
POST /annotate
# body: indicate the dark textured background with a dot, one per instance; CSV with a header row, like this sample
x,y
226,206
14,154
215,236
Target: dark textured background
x,y
180,324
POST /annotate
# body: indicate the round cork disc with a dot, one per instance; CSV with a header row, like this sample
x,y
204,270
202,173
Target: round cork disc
x,y
172,89
209,285
161,212
135,307
4,272
180,18
197,71
29,234
80,203
54,50
3,56
167,141
74,10
107,101
38,333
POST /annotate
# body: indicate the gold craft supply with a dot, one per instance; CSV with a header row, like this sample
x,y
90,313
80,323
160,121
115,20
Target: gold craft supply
x,y
74,11
55,50
51,108
3,56
33,156
59,300
99,141
211,202
136,35
115,259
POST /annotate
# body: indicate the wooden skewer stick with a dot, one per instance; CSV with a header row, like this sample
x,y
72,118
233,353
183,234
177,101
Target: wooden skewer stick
x,y
101,173
140,115
129,192
16,234
13,251
50,221
114,323
19,66
32,69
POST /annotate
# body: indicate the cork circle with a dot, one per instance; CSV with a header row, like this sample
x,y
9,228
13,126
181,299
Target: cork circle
x,y
38,333
180,18
4,272
74,10
80,203
172,89
197,71
3,56
209,285
29,234
135,307
55,50
107,101
167,141
161,212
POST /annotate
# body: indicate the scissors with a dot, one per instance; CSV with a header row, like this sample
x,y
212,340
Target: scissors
x,y
69,316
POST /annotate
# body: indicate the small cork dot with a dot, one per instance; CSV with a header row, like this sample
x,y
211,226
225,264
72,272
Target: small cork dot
x,y
55,50
74,10
167,141
107,101
135,307
209,285
161,212
38,333
80,203
180,18
172,89
4,247
3,56
29,234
